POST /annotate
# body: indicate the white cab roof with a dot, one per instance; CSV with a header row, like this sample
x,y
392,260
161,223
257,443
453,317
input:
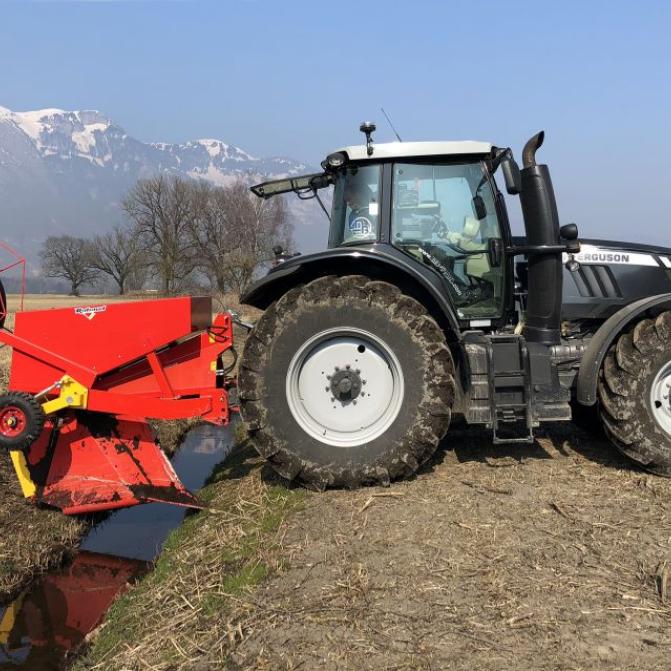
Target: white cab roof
x,y
408,149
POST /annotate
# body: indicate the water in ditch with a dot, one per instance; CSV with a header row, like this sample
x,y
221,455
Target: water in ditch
x,y
55,614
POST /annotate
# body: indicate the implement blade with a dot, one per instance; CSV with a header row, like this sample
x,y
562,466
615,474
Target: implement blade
x,y
97,462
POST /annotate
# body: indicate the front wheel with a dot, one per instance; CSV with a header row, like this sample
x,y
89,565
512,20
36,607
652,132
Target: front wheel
x,y
346,381
635,394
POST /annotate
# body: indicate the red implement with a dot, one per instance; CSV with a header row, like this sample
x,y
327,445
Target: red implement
x,y
100,372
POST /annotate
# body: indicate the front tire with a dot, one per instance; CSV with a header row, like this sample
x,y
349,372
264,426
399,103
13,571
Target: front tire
x,y
634,394
346,382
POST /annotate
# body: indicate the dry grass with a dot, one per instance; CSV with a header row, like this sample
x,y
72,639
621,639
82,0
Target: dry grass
x,y
32,539
179,614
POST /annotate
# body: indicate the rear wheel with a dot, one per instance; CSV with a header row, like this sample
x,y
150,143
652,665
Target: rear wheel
x,y
346,381
21,420
635,394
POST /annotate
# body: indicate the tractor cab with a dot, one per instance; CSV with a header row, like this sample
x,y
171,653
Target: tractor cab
x,y
435,202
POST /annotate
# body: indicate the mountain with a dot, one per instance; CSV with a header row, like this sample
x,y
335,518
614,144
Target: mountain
x,y
67,172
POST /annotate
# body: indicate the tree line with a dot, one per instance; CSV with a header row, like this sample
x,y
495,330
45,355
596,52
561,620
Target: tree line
x,y
178,234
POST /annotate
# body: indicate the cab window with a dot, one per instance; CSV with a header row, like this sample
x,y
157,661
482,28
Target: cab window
x,y
445,216
355,216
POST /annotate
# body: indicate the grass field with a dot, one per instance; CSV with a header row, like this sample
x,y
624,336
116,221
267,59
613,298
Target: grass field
x,y
543,557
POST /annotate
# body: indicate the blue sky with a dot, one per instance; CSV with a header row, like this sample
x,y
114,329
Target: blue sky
x,y
296,78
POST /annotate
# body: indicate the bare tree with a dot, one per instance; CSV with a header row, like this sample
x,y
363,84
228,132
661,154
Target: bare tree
x,y
118,255
70,258
213,231
234,233
162,211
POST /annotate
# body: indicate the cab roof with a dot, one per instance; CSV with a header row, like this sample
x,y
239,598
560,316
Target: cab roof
x,y
416,149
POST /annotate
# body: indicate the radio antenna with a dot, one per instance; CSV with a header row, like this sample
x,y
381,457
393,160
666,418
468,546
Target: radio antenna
x,y
386,116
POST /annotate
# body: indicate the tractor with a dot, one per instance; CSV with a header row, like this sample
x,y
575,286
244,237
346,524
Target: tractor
x,y
425,306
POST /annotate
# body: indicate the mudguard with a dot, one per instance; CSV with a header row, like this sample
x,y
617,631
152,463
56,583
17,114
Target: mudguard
x,y
378,261
592,359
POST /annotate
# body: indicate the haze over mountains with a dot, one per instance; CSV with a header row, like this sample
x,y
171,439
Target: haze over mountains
x,y
66,173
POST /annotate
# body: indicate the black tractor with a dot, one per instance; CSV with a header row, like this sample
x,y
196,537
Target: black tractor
x,y
425,306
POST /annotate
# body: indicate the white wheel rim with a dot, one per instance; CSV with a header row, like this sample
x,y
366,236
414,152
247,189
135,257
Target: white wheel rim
x,y
660,401
344,418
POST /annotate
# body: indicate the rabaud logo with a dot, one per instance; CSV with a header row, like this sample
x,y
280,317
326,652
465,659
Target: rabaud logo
x,y
90,312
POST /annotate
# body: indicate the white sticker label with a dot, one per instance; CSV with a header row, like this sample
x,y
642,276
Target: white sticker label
x,y
373,209
90,312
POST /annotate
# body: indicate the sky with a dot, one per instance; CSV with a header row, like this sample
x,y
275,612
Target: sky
x,y
296,78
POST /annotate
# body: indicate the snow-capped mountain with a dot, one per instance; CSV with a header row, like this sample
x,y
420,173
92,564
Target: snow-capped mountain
x,y
67,172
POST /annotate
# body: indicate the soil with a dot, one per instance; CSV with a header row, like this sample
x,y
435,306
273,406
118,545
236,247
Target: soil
x,y
554,555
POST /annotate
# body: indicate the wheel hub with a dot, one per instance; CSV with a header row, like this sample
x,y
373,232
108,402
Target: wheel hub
x,y
346,384
344,387
660,398
12,421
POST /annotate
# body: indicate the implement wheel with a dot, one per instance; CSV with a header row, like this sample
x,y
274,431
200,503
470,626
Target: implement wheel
x,y
635,394
346,381
21,420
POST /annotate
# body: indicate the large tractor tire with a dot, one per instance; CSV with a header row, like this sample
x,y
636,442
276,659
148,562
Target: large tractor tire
x,y
346,382
635,392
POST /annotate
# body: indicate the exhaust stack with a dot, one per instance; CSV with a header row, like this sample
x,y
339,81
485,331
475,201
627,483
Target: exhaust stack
x,y
541,221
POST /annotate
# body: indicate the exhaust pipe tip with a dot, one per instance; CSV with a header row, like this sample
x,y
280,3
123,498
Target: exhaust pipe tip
x,y
530,149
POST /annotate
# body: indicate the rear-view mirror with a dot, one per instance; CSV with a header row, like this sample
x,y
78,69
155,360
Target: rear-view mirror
x,y
479,207
511,175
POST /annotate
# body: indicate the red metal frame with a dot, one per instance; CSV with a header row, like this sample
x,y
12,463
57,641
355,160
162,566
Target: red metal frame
x,y
158,359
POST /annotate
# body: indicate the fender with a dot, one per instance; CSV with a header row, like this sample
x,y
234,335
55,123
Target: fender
x,y
595,353
377,261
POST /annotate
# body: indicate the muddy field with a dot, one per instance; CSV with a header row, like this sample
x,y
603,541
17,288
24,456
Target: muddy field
x,y
550,556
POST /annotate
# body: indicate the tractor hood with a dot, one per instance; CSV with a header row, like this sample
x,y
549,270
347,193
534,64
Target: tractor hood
x,y
610,274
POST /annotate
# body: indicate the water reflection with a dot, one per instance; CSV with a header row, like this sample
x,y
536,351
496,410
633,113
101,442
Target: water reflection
x,y
54,616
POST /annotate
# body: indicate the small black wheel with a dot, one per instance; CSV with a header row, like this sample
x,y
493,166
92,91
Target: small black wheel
x,y
21,420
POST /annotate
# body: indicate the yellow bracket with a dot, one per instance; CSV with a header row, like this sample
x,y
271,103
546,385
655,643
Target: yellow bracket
x,y
28,487
8,618
72,395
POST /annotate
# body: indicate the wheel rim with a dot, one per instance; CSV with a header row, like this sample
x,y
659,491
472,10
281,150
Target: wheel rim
x,y
12,421
660,401
345,387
